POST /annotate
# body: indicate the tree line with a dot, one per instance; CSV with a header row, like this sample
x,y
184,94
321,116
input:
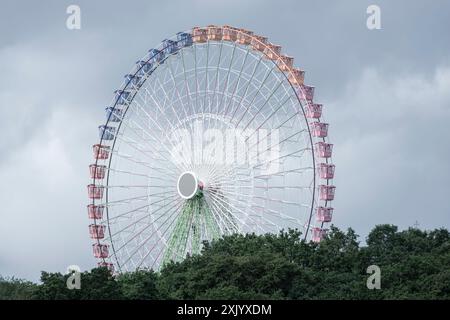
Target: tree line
x,y
414,264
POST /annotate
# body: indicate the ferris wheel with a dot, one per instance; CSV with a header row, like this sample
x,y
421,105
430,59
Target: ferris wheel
x,y
212,133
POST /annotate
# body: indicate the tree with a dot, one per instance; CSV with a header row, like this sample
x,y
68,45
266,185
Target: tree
x,y
414,264
139,285
15,289
96,284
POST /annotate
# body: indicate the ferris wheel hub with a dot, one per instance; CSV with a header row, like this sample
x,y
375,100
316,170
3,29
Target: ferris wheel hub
x,y
187,185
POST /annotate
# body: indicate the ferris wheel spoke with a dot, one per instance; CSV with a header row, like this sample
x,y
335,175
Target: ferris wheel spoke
x,y
216,82
267,221
139,174
279,143
177,205
196,78
281,105
119,201
216,218
169,66
278,127
158,255
136,235
279,214
161,129
118,220
169,151
217,174
249,82
142,218
225,90
182,244
154,246
163,90
219,199
150,160
277,200
237,196
224,204
267,119
282,187
230,225
123,214
139,186
206,75
271,211
207,91
142,163
144,99
226,182
298,170
160,109
301,151
188,92
225,222
237,82
132,143
225,198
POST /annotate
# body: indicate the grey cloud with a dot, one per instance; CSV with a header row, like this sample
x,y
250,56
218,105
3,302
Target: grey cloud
x,y
385,94
392,149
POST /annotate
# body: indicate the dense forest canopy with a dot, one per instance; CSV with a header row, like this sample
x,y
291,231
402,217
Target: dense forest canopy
x,y
414,264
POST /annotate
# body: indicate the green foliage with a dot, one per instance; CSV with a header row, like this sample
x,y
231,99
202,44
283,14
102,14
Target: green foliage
x,y
97,284
139,285
16,289
414,264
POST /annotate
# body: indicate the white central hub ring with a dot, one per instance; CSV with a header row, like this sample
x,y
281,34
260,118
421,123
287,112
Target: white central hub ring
x,y
187,185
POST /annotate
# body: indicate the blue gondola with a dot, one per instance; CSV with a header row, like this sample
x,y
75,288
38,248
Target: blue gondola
x,y
156,55
145,68
184,39
106,132
134,80
122,97
170,46
113,114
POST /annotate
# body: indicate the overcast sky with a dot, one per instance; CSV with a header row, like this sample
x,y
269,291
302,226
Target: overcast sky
x,y
386,94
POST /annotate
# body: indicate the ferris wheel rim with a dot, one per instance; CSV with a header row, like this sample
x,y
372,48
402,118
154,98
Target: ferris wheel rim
x,y
297,91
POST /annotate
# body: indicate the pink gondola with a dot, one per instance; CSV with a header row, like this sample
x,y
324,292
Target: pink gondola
x,y
308,91
326,192
107,265
285,63
214,33
95,212
318,234
259,43
272,51
326,171
100,250
199,34
313,110
97,171
319,129
229,33
97,231
100,151
323,150
296,76
244,36
95,192
324,214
